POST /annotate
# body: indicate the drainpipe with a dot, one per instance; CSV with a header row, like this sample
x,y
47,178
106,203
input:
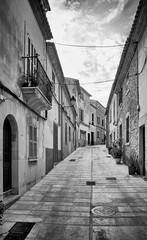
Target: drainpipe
x,y
61,125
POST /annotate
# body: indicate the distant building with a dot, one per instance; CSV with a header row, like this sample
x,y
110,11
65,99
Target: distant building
x,y
84,118
75,90
99,122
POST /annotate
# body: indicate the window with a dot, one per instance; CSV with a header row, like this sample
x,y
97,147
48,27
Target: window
x,y
31,60
65,132
69,134
98,120
113,111
120,95
98,134
110,138
53,80
110,115
127,129
92,118
82,96
114,136
81,115
120,131
102,122
32,142
73,137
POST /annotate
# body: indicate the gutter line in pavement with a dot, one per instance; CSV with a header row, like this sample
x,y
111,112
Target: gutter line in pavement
x,y
91,201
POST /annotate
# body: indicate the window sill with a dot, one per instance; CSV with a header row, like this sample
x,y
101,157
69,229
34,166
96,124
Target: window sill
x,y
32,159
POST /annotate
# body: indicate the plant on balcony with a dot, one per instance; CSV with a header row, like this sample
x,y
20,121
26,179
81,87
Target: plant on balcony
x,y
30,80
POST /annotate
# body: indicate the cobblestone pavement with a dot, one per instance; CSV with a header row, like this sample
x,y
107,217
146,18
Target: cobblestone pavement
x,y
87,196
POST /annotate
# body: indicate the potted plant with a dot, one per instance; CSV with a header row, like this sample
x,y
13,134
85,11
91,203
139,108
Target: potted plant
x,y
132,161
117,154
109,149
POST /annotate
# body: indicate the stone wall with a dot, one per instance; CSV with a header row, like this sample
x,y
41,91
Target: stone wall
x,y
129,108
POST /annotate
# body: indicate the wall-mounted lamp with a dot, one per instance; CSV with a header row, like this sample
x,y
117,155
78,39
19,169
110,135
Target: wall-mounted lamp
x,y
2,99
72,101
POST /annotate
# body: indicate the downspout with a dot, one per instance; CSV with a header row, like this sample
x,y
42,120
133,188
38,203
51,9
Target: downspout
x,y
61,125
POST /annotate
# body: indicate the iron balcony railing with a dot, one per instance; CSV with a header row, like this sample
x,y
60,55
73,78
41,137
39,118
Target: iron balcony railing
x,y
36,76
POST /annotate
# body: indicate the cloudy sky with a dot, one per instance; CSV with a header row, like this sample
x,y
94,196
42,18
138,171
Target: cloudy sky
x,y
88,23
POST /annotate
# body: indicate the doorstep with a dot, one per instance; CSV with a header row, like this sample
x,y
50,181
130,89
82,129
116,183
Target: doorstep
x,y
9,200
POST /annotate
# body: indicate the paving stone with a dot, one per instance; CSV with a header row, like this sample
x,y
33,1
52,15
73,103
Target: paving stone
x,y
61,203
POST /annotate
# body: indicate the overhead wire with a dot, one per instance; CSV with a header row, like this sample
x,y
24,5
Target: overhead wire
x,y
88,46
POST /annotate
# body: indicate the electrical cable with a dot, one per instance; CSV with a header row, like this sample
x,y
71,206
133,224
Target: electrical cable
x,y
88,46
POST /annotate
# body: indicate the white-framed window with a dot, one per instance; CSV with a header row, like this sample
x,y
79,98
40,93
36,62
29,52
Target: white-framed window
x,y
32,142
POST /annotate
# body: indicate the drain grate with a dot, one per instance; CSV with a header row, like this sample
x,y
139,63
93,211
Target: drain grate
x,y
90,183
108,156
72,160
19,231
111,178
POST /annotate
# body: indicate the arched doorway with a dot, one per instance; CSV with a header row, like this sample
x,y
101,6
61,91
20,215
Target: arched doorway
x,y
10,155
7,156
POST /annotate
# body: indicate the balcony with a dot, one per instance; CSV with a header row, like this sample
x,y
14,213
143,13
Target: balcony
x,y
36,87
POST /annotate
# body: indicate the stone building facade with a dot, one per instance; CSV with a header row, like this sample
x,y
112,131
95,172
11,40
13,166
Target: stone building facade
x,y
128,115
130,87
32,91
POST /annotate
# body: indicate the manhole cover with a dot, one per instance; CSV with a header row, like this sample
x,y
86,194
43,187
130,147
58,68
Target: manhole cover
x,y
90,183
72,160
103,211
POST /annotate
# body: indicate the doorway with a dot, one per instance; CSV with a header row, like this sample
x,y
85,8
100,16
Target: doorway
x,y
142,149
92,138
88,138
55,144
10,155
7,156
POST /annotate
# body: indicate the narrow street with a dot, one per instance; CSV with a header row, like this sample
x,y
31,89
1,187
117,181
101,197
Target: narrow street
x,y
61,205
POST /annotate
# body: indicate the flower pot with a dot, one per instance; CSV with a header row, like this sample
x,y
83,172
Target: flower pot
x,y
117,160
131,170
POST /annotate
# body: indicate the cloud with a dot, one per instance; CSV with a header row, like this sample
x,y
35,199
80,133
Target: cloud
x,y
91,22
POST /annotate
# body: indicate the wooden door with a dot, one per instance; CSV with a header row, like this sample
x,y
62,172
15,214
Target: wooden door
x,y
7,152
55,143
